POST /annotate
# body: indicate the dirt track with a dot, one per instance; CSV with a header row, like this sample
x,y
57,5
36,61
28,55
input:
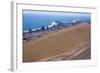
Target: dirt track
x,y
84,55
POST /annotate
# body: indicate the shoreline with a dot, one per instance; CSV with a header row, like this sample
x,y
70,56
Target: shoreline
x,y
27,36
56,43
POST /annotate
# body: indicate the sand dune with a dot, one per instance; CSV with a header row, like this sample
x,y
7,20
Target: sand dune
x,y
56,43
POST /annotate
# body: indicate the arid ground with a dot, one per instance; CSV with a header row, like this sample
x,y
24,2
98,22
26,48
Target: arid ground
x,y
71,43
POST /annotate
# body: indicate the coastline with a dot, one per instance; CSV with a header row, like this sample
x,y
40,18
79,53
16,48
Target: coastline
x,y
37,33
35,49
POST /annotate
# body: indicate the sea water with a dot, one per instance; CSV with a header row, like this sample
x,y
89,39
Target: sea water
x,y
37,19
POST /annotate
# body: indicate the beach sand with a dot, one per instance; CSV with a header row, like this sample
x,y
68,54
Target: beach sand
x,y
57,43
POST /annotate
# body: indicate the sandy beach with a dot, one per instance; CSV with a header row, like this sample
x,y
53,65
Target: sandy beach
x,y
71,43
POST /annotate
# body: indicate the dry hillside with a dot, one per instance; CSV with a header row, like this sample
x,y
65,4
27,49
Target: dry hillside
x,y
56,43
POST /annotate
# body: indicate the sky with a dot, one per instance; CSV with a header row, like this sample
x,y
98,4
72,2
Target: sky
x,y
32,12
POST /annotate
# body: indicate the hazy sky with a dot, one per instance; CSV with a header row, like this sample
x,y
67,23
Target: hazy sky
x,y
30,12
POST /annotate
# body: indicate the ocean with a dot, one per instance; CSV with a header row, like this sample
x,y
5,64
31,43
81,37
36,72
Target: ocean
x,y
37,19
